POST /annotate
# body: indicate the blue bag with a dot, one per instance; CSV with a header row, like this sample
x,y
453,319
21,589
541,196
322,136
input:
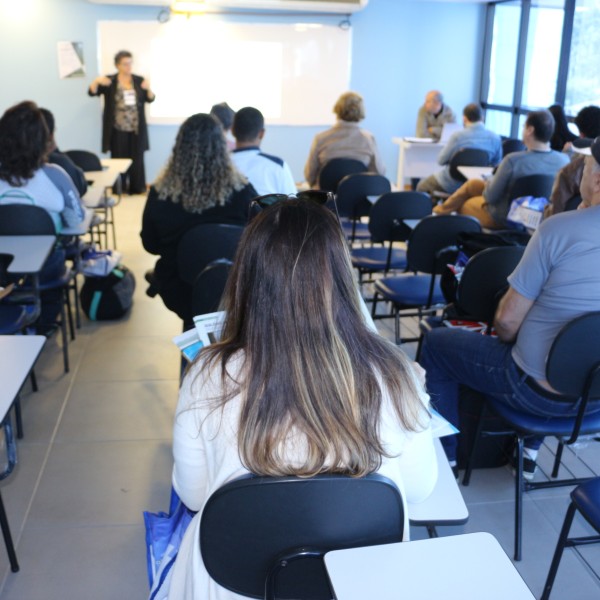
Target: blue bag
x,y
164,532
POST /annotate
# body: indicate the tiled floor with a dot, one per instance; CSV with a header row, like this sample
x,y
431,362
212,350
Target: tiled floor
x,y
96,454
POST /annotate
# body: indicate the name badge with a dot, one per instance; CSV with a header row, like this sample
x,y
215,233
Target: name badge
x,y
129,97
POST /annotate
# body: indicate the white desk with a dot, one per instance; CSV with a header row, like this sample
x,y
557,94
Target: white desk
x,y
83,227
29,251
460,567
445,505
19,353
416,159
112,168
476,172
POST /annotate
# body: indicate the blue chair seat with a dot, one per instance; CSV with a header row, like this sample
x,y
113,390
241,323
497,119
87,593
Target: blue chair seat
x,y
535,425
361,231
409,290
58,282
375,259
587,498
15,317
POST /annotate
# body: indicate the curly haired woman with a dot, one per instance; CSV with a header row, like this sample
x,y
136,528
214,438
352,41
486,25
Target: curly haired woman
x,y
198,185
344,140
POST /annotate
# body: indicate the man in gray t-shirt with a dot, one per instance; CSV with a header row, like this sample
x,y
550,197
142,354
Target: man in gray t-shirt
x,y
557,280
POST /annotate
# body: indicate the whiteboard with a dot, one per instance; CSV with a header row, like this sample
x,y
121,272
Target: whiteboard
x,y
292,72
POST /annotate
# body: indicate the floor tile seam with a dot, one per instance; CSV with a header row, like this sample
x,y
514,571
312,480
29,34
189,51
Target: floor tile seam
x,y
595,574
145,379
63,442
63,526
17,535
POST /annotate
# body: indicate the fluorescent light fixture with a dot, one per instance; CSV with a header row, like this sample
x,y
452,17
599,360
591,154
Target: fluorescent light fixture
x,y
188,7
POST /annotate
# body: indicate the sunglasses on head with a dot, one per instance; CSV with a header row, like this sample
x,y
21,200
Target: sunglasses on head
x,y
316,196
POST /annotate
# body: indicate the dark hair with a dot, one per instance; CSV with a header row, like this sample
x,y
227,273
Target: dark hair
x,y
247,124
542,122
588,121
49,119
224,114
24,146
120,55
562,134
311,366
473,112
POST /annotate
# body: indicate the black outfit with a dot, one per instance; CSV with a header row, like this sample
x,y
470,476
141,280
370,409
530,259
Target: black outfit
x,y
124,144
59,158
163,225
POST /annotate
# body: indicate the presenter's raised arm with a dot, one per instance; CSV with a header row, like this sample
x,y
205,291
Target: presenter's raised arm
x,y
99,82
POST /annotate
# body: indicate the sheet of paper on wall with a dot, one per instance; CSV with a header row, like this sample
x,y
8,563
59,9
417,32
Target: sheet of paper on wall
x,y
70,59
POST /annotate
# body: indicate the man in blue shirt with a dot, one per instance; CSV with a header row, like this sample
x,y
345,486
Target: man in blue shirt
x,y
474,135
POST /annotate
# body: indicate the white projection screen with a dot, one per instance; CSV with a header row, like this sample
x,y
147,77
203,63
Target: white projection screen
x,y
292,72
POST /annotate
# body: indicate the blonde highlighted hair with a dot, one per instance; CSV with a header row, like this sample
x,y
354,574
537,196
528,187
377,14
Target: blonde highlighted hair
x,y
311,367
199,173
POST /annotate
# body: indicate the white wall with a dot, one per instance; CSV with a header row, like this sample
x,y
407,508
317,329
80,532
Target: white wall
x,y
401,50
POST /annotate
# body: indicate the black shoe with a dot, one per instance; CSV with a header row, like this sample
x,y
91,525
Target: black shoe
x,y
529,467
455,472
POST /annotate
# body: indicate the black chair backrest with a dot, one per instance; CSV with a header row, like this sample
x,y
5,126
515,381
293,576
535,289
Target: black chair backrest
x,y
433,234
484,278
85,160
336,169
250,524
539,186
574,355
204,244
352,192
25,219
387,214
209,286
573,203
467,157
510,145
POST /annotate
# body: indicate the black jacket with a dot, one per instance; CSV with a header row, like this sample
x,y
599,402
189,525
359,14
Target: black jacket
x,y
108,117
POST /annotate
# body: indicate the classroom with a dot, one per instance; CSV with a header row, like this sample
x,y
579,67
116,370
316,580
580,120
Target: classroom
x,y
97,448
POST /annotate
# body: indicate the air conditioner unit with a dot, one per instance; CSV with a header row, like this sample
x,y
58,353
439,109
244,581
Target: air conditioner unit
x,y
300,6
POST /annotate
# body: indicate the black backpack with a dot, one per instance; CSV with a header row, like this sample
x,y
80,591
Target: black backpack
x,y
110,297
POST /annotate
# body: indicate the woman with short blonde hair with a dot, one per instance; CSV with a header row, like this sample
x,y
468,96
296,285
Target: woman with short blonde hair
x,y
344,140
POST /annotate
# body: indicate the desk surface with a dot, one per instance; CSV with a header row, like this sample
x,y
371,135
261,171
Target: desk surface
x,y
83,227
112,168
461,567
29,251
445,505
416,159
19,353
476,172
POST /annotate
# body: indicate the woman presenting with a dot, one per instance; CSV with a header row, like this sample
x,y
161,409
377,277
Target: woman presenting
x,y
124,130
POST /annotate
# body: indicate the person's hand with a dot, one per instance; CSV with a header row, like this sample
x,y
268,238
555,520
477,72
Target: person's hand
x,y
103,80
145,85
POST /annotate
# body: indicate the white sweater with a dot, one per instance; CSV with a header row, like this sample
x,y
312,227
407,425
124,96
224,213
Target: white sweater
x,y
206,457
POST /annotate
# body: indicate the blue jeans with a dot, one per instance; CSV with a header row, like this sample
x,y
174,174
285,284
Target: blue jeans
x,y
453,357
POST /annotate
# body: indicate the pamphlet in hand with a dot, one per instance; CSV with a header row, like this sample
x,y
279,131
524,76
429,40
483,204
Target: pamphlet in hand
x,y
440,427
207,331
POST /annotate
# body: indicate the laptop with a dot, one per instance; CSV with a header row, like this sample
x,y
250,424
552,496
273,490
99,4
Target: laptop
x,y
448,129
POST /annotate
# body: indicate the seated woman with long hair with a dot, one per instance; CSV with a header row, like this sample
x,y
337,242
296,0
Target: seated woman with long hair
x,y
198,185
298,384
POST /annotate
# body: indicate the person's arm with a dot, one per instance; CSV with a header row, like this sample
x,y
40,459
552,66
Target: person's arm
x,y
376,164
422,124
448,150
72,213
511,313
148,94
311,169
149,234
190,468
99,86
496,187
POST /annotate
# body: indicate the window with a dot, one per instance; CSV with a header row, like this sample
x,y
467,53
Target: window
x,y
583,80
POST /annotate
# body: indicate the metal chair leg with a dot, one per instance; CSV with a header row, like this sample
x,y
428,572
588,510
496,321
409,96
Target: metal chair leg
x,y
8,542
519,488
18,417
474,442
560,546
65,336
557,458
33,378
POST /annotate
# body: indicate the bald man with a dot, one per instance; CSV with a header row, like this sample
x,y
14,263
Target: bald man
x,y
433,115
